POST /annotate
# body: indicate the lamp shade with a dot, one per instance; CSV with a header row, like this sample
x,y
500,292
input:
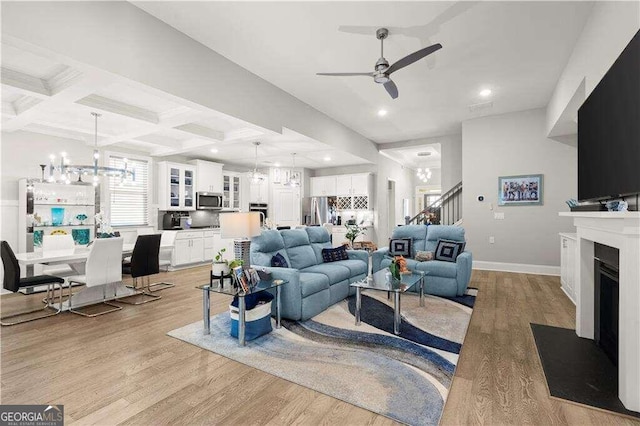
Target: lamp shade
x,y
240,225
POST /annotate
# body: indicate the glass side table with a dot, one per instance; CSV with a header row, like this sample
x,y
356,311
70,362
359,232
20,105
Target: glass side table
x,y
229,290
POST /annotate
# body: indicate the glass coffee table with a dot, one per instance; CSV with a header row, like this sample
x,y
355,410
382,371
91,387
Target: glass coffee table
x,y
381,281
229,290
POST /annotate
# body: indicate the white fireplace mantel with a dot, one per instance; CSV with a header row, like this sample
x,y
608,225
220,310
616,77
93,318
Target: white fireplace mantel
x,y
622,231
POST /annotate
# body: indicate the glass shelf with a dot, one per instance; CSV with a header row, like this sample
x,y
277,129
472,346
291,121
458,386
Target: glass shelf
x,y
64,204
89,225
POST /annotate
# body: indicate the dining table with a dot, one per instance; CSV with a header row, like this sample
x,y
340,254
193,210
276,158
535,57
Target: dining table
x,y
78,256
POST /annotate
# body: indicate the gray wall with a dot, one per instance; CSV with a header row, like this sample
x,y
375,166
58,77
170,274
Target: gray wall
x,y
515,144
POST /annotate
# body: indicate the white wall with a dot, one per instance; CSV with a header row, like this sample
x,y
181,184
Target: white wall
x,y
515,144
121,39
610,27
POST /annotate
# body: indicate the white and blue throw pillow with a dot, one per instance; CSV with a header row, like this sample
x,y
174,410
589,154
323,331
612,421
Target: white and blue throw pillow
x,y
400,247
448,250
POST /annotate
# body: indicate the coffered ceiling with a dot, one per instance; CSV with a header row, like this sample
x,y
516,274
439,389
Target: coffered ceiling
x,y
44,95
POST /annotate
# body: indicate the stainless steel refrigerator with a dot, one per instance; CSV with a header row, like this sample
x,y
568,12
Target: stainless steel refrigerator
x,y
322,210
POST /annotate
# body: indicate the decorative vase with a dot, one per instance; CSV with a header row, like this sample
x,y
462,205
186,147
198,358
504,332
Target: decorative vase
x,y
220,269
57,216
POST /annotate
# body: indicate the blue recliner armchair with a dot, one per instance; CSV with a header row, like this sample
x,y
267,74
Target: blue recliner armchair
x,y
445,278
313,285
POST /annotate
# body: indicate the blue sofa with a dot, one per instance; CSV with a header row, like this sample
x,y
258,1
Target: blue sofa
x,y
313,285
445,278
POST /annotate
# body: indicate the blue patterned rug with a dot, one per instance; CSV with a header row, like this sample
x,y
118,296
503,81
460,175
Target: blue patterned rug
x,y
405,378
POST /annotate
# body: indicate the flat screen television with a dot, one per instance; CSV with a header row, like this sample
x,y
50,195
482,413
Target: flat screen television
x,y
609,131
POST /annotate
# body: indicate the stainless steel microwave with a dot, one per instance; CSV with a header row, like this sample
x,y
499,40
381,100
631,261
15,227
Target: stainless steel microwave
x,y
208,201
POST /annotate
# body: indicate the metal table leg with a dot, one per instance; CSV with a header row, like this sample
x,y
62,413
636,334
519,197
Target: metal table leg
x,y
206,315
241,320
358,304
396,312
278,307
421,288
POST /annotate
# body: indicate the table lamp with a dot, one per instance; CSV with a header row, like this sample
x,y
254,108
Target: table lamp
x,y
241,227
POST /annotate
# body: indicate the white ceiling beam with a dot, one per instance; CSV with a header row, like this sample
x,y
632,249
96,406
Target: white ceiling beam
x,y
24,103
70,88
202,131
57,131
185,146
8,109
116,107
25,83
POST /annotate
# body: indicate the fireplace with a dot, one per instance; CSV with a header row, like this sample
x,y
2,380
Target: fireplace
x,y
606,298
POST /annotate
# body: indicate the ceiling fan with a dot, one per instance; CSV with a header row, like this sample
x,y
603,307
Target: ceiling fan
x,y
382,68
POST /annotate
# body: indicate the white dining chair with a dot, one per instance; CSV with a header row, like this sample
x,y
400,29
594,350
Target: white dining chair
x,y
103,268
59,242
167,240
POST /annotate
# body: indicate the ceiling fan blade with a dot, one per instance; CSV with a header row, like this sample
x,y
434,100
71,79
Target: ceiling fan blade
x,y
392,89
415,56
345,74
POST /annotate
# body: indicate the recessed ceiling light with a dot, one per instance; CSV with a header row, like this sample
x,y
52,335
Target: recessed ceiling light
x,y
214,150
485,92
382,112
277,164
327,158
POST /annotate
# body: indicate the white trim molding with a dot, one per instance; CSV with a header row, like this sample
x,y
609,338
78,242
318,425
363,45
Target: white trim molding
x,y
522,268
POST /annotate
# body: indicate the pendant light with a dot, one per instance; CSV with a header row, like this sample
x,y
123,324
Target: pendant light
x,y
64,170
293,182
254,175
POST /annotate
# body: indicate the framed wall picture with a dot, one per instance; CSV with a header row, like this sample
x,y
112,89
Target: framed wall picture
x,y
522,190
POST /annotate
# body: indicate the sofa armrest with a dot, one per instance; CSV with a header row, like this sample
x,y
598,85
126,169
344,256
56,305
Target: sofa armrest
x,y
290,293
464,264
376,260
359,255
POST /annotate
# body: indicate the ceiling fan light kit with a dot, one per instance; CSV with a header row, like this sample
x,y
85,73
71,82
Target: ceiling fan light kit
x,y
382,68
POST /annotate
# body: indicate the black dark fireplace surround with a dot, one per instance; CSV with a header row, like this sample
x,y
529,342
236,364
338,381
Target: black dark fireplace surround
x,y
606,299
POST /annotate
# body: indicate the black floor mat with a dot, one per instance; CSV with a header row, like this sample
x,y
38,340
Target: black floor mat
x,y
577,369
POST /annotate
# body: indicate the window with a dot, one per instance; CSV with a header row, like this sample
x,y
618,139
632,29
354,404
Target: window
x,y
129,199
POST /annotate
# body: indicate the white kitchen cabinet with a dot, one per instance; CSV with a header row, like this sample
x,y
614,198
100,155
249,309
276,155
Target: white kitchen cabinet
x,y
231,190
208,245
209,176
568,264
286,206
360,184
343,185
259,192
188,248
323,186
176,186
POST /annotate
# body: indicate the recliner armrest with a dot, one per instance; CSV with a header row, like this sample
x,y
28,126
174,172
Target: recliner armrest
x,y
378,255
464,264
359,255
290,293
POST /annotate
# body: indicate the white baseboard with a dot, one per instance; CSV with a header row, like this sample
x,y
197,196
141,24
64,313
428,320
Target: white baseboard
x,y
516,267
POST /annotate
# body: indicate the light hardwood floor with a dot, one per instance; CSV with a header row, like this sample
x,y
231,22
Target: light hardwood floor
x,y
122,368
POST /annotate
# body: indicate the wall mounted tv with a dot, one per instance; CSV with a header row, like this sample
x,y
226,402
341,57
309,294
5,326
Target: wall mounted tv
x,y
609,131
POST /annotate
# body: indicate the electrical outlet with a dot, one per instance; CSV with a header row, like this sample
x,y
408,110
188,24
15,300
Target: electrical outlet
x,y
492,240
498,215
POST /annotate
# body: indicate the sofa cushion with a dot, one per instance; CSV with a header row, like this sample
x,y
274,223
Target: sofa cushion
x,y
265,245
298,247
333,271
311,283
418,234
448,250
442,232
334,254
438,268
356,267
320,239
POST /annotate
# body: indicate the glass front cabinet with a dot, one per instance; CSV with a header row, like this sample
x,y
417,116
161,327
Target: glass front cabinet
x,y
176,186
230,191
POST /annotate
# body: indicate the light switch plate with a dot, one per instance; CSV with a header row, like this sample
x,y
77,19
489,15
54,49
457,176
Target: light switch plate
x,y
492,240
498,215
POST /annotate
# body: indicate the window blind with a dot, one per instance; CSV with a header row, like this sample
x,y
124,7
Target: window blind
x,y
129,198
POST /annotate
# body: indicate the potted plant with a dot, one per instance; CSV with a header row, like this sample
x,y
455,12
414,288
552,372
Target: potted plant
x,y
220,266
353,231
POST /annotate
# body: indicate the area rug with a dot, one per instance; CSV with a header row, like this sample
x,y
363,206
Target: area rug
x,y
405,378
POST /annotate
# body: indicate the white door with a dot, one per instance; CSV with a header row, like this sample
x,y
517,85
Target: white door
x,y
286,203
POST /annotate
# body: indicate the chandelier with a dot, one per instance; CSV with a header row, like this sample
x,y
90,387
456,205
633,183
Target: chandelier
x,y
425,175
293,181
64,171
254,175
